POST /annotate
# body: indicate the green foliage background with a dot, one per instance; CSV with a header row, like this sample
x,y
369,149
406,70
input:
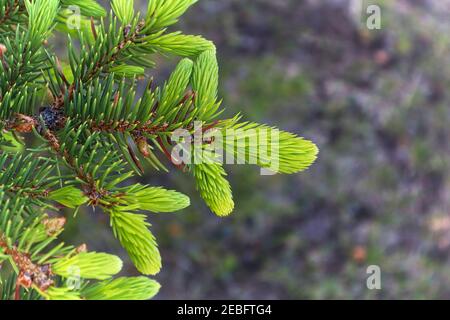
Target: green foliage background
x,y
377,105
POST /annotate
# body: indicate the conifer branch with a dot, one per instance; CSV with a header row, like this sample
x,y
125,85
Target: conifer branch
x,y
97,133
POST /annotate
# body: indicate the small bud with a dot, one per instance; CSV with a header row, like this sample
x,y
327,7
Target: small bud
x,y
43,277
143,147
54,226
46,268
54,119
81,248
2,50
45,284
23,123
24,279
126,31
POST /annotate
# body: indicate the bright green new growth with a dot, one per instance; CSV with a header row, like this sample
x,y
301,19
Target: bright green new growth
x,y
70,197
138,288
214,188
89,265
253,141
161,14
95,133
41,15
155,199
132,232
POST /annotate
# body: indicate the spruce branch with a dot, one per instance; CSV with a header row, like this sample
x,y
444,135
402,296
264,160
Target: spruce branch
x,y
96,132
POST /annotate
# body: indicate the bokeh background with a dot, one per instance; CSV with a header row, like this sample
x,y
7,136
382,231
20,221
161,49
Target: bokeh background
x,y
376,103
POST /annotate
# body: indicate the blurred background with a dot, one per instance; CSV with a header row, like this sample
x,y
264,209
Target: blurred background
x,y
375,101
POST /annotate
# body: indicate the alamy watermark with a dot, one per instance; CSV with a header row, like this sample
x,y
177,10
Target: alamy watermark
x,y
366,14
373,281
73,282
73,20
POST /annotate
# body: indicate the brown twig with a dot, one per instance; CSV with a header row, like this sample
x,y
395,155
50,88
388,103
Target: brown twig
x,y
90,188
29,272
